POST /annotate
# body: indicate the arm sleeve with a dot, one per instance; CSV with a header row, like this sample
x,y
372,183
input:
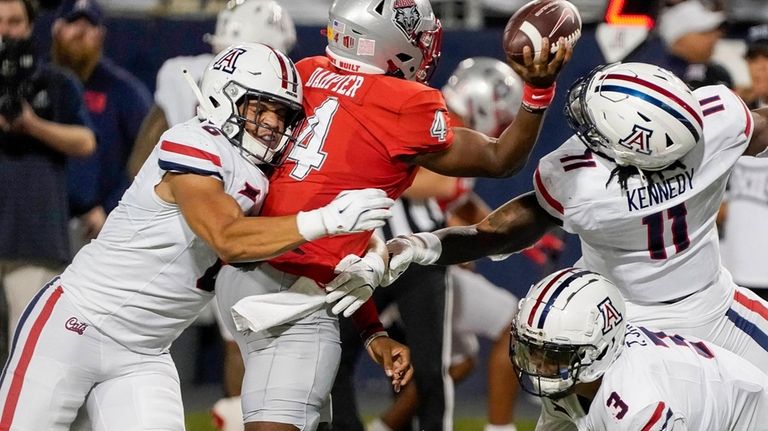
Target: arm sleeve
x,y
422,125
189,153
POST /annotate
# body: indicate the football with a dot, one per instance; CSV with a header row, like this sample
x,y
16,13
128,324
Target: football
x,y
541,18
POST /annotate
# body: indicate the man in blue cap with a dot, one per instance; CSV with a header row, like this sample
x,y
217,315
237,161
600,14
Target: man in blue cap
x,y
117,102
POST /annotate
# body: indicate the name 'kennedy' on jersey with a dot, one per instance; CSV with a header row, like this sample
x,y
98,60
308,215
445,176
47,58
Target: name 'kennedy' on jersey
x,y
345,85
659,191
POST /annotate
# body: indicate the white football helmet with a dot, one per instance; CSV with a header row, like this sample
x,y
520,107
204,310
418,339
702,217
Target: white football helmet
x,y
245,73
486,93
637,114
395,37
569,329
256,21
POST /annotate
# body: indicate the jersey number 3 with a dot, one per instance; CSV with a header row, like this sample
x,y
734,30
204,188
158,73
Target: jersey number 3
x,y
308,152
655,225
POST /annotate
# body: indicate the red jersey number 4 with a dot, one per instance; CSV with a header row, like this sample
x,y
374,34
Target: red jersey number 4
x,y
308,151
439,127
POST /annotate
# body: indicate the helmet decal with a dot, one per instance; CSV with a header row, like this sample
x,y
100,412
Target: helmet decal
x,y
551,296
406,17
648,98
227,62
638,140
611,316
285,66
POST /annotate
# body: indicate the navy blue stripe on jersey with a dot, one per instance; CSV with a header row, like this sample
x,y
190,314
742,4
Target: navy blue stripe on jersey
x,y
650,99
709,99
748,328
22,321
713,109
184,169
556,293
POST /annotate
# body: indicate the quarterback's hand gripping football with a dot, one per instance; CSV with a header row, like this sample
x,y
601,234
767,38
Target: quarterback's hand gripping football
x,y
350,212
542,72
357,278
422,248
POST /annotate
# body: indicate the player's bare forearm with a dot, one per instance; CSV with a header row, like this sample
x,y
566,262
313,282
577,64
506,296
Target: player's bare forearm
x,y
217,219
515,226
473,154
759,141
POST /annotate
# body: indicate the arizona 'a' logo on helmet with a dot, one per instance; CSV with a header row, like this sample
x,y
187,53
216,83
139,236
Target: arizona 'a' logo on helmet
x,y
227,62
639,140
611,316
406,17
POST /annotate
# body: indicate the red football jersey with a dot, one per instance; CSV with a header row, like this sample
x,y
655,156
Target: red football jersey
x,y
357,126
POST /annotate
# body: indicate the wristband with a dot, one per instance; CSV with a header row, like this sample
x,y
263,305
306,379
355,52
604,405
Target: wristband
x,y
310,224
374,336
536,100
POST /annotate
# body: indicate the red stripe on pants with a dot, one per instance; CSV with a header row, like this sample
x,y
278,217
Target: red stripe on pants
x,y
26,356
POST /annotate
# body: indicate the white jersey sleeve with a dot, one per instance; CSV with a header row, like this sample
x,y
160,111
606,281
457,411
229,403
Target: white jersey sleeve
x,y
561,186
173,94
727,126
186,150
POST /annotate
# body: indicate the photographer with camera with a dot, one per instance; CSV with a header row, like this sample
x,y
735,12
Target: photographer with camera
x,y
42,123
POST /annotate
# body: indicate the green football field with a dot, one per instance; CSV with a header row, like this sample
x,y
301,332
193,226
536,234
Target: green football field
x,y
201,421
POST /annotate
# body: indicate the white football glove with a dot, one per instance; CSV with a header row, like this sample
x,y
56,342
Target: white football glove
x,y
349,212
357,278
422,248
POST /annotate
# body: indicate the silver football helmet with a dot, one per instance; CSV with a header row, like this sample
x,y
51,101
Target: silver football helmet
x,y
486,93
569,329
635,113
257,21
247,74
395,37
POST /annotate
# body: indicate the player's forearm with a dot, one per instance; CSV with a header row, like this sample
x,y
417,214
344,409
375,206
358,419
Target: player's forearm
x,y
513,227
258,238
514,146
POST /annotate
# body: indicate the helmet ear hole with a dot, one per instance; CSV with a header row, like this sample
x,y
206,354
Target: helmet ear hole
x,y
214,102
380,8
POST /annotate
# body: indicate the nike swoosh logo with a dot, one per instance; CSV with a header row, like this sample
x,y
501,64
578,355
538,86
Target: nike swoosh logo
x,y
566,14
